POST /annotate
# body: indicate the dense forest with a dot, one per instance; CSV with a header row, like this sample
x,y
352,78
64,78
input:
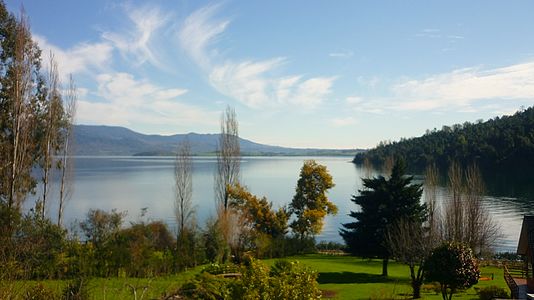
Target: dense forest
x,y
504,143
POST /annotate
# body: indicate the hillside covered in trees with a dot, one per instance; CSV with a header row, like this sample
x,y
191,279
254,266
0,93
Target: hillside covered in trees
x,y
504,143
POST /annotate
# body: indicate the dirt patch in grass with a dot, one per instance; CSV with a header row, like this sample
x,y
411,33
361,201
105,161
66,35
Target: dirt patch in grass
x,y
328,294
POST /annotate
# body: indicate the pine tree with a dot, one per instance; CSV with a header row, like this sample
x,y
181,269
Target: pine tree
x,y
382,202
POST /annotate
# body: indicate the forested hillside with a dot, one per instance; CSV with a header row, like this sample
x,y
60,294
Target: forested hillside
x,y
503,142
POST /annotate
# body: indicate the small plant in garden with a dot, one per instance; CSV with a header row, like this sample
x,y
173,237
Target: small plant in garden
x,y
286,280
216,269
454,267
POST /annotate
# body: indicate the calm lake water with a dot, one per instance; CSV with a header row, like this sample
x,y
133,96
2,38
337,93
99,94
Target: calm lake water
x,y
132,183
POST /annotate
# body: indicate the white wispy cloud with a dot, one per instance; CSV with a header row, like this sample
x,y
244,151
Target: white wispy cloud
x,y
252,82
342,54
199,31
366,104
434,33
342,122
464,87
246,81
473,89
81,58
429,33
119,98
312,92
353,100
137,44
128,101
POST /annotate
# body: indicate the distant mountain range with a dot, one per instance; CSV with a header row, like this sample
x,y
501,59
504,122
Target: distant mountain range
x,y
113,140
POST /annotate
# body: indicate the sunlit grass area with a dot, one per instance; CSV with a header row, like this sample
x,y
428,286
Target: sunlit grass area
x,y
340,277
347,277
112,288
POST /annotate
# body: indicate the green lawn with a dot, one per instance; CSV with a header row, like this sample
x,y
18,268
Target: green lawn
x,y
122,288
340,277
112,288
346,277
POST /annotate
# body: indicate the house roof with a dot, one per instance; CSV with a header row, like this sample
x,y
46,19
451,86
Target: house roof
x,y
526,238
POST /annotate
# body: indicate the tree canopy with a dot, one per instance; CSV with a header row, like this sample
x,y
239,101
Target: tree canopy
x,y
22,101
310,203
258,212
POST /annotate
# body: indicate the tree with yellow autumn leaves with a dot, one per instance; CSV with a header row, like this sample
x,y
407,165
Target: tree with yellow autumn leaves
x,y
310,203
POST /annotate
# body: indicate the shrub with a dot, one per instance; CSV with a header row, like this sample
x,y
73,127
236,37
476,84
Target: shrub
x,y
291,280
214,243
216,269
492,292
39,292
280,267
286,280
37,246
255,282
206,286
453,266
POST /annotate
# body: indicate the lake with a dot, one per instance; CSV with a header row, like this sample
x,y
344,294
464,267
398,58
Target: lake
x,y
132,183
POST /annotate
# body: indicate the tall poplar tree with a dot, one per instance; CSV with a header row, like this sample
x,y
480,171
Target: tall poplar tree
x,y
228,157
22,93
49,126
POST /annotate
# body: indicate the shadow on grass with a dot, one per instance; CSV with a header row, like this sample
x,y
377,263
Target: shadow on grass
x,y
350,277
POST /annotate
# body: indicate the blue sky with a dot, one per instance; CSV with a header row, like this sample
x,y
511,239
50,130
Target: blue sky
x,y
328,74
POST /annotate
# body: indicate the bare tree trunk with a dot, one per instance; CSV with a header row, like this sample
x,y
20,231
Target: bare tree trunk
x,y
465,218
183,206
473,198
183,176
53,115
22,119
65,189
228,157
227,174
409,244
481,230
430,191
385,266
454,208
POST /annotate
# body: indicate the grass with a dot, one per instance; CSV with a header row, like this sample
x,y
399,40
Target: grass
x,y
123,288
116,288
346,277
340,277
